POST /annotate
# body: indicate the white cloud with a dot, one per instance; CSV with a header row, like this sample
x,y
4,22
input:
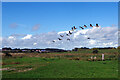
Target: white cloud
x,y
92,41
27,37
100,37
108,44
62,32
34,43
11,37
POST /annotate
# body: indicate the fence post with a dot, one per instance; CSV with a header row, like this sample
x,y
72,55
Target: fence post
x,y
102,57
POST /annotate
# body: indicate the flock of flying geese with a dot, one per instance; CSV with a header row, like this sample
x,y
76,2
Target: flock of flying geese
x,y
74,28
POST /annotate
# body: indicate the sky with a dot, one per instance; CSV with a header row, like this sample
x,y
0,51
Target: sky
x,y
60,0
33,23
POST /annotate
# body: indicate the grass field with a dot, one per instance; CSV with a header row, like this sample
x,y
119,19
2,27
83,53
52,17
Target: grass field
x,y
61,65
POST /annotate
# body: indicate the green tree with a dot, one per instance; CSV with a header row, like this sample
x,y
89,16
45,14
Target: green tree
x,y
118,47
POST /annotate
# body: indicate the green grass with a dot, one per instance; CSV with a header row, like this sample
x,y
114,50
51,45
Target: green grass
x,y
82,51
55,65
99,51
60,68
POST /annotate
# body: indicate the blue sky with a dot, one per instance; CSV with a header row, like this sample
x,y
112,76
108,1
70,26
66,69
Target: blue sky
x,y
60,0
37,24
53,16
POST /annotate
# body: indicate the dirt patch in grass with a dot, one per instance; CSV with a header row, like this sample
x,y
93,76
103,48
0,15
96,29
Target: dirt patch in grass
x,y
3,69
25,70
10,63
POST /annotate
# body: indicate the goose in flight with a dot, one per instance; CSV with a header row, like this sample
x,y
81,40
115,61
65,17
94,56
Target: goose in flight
x,y
74,27
53,41
81,27
59,39
68,39
62,35
91,25
70,32
85,26
67,34
97,25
